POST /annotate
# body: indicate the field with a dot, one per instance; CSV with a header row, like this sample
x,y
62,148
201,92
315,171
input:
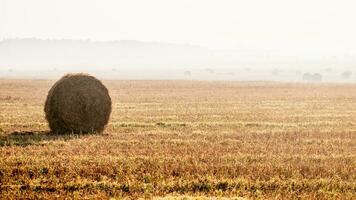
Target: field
x,y
180,139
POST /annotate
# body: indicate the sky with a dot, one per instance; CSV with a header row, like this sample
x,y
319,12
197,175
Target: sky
x,y
290,25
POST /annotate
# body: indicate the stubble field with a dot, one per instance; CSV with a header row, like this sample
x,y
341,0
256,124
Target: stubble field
x,y
176,139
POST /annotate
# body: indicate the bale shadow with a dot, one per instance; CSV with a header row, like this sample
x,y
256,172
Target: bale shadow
x,y
25,138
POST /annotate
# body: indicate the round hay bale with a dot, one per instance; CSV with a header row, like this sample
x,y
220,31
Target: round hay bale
x,y
78,103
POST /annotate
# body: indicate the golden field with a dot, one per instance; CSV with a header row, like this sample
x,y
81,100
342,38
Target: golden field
x,y
185,139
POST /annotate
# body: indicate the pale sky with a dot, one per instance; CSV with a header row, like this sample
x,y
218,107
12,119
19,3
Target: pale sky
x,y
298,25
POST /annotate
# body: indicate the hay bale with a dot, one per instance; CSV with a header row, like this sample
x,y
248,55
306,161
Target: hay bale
x,y
78,103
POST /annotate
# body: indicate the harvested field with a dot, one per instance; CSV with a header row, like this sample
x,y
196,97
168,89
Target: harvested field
x,y
255,140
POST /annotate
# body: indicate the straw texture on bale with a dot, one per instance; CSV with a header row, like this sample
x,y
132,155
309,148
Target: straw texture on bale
x,y
78,103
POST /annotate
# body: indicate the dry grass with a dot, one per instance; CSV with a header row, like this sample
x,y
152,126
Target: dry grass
x,y
182,139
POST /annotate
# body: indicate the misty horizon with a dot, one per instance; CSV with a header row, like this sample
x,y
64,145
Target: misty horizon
x,y
131,59
225,40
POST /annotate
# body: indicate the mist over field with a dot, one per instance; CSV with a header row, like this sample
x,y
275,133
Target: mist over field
x,y
130,59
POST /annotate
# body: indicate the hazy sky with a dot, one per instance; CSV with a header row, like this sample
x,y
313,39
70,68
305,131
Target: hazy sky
x,y
298,25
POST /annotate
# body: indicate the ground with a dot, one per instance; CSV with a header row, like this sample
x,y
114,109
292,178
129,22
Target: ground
x,y
185,139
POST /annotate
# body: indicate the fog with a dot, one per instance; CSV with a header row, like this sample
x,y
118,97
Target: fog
x,y
280,40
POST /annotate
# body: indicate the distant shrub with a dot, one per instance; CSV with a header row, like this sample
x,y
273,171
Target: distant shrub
x,y
187,73
307,76
275,72
316,77
328,69
346,75
209,70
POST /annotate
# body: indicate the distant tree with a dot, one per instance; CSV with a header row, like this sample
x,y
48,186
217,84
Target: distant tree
x,y
307,76
187,73
346,75
230,73
275,72
209,70
316,77
328,69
